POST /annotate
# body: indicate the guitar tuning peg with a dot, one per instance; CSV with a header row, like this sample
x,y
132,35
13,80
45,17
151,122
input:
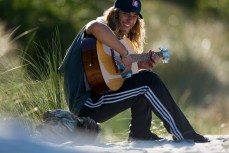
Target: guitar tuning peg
x,y
163,49
165,54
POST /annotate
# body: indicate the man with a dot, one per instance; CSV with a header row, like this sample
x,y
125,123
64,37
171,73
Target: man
x,y
143,92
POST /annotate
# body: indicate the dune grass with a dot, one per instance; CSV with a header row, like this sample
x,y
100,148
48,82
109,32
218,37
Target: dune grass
x,y
25,97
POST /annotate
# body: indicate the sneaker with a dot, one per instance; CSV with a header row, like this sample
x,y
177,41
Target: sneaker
x,y
152,136
200,139
197,138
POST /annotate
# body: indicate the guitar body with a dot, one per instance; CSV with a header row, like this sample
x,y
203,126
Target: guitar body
x,y
92,67
99,65
103,65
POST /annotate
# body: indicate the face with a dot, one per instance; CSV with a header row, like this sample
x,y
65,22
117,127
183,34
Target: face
x,y
127,21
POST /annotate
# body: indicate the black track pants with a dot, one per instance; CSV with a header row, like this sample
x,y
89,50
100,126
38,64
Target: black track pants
x,y
143,93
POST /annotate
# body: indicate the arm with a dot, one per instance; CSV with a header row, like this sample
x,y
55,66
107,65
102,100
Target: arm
x,y
104,34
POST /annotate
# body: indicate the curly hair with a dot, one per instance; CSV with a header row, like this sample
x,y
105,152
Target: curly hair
x,y
136,34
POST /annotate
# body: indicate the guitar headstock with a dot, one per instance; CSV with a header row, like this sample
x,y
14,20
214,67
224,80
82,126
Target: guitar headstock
x,y
165,54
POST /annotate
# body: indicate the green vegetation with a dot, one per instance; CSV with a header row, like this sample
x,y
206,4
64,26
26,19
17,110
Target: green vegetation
x,y
23,96
34,36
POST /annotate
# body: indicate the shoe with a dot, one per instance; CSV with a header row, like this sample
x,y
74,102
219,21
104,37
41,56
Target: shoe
x,y
201,139
152,136
197,138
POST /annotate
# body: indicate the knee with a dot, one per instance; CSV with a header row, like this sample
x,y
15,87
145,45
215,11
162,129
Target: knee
x,y
149,75
152,80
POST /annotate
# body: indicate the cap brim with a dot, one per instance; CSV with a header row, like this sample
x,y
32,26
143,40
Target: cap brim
x,y
140,15
132,10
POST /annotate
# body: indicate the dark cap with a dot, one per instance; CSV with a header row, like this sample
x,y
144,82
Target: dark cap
x,y
129,6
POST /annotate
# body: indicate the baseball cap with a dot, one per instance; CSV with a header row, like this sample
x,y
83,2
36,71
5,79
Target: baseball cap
x,y
129,6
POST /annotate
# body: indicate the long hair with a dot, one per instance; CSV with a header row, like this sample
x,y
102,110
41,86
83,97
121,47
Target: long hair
x,y
136,34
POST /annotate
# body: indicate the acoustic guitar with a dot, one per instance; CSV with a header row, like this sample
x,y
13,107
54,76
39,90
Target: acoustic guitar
x,y
103,65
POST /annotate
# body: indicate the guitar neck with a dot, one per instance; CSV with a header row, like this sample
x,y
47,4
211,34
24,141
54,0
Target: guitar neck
x,y
143,56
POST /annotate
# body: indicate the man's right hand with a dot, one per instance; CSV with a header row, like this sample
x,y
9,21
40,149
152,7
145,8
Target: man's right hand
x,y
127,62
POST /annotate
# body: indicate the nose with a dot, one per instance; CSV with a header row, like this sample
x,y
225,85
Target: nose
x,y
130,17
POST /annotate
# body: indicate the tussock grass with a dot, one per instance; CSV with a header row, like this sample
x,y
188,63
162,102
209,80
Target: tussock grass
x,y
23,96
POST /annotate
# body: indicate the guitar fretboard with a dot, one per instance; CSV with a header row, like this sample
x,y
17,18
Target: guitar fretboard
x,y
143,56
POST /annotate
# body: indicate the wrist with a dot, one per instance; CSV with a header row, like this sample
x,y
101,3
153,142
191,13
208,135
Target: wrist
x,y
125,55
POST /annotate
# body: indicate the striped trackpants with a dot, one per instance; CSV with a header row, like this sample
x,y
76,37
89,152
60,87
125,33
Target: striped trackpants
x,y
142,93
